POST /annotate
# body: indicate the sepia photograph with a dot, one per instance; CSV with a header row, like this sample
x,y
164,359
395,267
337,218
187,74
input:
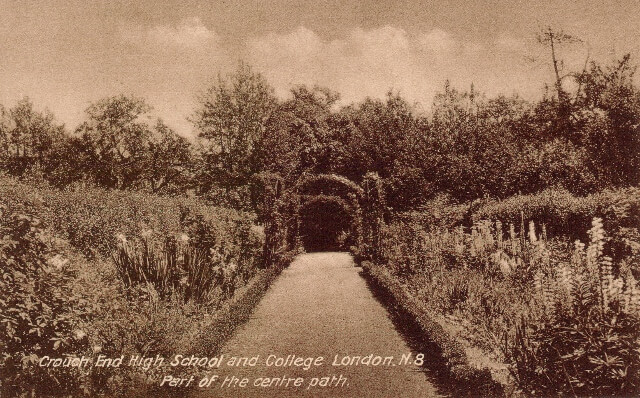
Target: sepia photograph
x,y
319,198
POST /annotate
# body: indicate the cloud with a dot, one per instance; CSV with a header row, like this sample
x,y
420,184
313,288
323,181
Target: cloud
x,y
368,62
360,63
438,42
301,43
188,33
385,42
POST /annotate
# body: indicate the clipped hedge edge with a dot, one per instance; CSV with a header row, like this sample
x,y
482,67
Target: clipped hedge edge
x,y
464,379
240,307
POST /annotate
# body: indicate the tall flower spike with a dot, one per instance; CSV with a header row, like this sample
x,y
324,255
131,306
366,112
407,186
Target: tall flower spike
x,y
532,232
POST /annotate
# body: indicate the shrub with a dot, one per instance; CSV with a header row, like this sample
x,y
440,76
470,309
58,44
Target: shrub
x,y
162,300
438,213
585,339
578,335
91,219
38,314
564,214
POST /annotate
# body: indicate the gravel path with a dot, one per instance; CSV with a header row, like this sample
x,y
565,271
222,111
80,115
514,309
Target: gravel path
x,y
320,306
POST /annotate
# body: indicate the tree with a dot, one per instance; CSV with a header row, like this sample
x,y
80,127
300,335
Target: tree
x,y
116,136
385,127
5,124
169,161
27,136
564,104
609,121
298,137
553,38
231,118
67,162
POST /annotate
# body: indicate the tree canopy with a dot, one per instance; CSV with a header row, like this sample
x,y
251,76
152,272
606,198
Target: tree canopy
x,y
467,146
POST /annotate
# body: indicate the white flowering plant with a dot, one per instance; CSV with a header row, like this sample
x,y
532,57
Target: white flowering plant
x,y
584,338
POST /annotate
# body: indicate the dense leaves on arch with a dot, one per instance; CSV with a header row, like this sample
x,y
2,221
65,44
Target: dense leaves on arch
x,y
328,184
319,212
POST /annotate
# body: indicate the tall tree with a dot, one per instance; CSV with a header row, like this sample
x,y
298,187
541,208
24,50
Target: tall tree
x,y
385,126
169,161
117,136
609,116
230,119
5,125
298,137
553,39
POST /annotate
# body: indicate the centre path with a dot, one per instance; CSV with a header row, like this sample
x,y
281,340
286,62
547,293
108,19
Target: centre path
x,y
321,306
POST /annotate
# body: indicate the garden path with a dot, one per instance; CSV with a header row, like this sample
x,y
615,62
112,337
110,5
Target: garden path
x,y
321,306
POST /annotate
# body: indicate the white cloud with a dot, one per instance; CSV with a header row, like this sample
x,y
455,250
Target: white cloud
x,y
360,63
383,42
300,43
188,33
368,62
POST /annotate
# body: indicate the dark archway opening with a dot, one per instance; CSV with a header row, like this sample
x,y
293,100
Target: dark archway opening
x,y
325,224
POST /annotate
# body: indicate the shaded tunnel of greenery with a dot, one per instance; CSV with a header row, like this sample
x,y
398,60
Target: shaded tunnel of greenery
x,y
325,224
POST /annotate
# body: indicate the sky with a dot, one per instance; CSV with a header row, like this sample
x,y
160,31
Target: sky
x,y
66,54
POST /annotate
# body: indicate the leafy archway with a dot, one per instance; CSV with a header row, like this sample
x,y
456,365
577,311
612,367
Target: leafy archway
x,y
328,212
320,212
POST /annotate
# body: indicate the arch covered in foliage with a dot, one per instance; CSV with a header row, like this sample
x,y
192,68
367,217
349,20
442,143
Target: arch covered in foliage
x,y
320,212
328,184
328,212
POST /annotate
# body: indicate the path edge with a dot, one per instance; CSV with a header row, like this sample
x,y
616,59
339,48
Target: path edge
x,y
238,310
462,378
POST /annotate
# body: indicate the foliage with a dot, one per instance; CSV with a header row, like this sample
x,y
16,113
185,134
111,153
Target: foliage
x,y
168,161
28,138
585,339
93,218
445,349
115,136
441,212
57,303
122,150
137,321
231,119
38,315
371,217
467,146
564,214
298,137
179,267
328,184
385,127
608,110
567,320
